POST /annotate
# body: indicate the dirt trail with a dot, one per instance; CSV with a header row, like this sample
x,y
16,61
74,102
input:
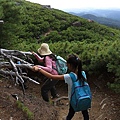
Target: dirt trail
x,y
105,103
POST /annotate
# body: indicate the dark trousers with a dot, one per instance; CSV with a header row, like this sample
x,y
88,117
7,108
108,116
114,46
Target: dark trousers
x,y
49,85
72,112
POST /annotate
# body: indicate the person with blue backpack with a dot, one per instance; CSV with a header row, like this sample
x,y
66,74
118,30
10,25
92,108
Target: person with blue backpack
x,y
75,79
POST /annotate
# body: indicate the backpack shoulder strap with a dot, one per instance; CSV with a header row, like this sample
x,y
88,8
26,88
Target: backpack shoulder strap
x,y
73,77
84,75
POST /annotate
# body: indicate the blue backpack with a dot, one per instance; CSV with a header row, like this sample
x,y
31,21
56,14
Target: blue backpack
x,y
81,94
61,65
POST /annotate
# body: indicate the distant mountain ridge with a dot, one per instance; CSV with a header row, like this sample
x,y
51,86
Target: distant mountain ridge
x,y
113,14
103,20
107,17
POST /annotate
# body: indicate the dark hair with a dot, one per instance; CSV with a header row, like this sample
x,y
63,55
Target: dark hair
x,y
76,63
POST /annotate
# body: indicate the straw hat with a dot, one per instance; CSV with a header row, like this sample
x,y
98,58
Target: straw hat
x,y
44,49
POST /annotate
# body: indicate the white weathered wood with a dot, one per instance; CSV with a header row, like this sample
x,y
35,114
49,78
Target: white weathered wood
x,y
10,67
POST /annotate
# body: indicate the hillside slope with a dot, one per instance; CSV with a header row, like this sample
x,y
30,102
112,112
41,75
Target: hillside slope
x,y
105,104
27,25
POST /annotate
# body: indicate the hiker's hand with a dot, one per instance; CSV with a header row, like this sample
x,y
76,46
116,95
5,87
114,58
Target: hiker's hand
x,y
35,68
33,52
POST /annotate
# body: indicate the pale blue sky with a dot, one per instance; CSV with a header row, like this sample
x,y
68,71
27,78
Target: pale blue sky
x,y
80,4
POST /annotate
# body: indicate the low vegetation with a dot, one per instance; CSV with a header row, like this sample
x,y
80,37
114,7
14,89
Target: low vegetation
x,y
25,110
27,25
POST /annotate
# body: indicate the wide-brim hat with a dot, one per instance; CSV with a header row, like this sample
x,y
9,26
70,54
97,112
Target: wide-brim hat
x,y
44,49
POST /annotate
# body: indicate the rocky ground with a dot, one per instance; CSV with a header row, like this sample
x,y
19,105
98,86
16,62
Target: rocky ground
x,y
105,103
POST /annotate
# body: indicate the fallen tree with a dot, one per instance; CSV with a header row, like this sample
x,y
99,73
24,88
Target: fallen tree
x,y
14,64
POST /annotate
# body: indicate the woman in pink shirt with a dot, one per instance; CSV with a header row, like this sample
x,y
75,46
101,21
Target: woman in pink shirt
x,y
49,60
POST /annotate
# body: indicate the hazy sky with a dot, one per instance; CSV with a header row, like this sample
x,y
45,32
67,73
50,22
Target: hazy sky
x,y
79,4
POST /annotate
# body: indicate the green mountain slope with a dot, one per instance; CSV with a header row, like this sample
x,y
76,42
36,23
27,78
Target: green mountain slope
x,y
27,25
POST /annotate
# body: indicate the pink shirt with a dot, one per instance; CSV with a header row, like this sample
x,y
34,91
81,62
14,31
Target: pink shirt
x,y
49,64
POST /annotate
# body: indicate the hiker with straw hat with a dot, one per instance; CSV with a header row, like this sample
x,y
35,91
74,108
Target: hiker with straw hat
x,y
49,60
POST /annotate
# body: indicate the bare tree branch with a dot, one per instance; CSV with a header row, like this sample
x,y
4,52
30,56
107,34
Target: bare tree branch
x,y
10,67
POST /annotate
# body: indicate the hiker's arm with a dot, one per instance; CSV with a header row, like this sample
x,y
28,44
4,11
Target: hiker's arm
x,y
47,74
37,57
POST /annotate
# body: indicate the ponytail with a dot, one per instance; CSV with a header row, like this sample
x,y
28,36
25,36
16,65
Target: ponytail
x,y
76,64
80,76
79,69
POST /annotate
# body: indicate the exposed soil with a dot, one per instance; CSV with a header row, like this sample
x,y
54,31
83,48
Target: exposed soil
x,y
105,103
